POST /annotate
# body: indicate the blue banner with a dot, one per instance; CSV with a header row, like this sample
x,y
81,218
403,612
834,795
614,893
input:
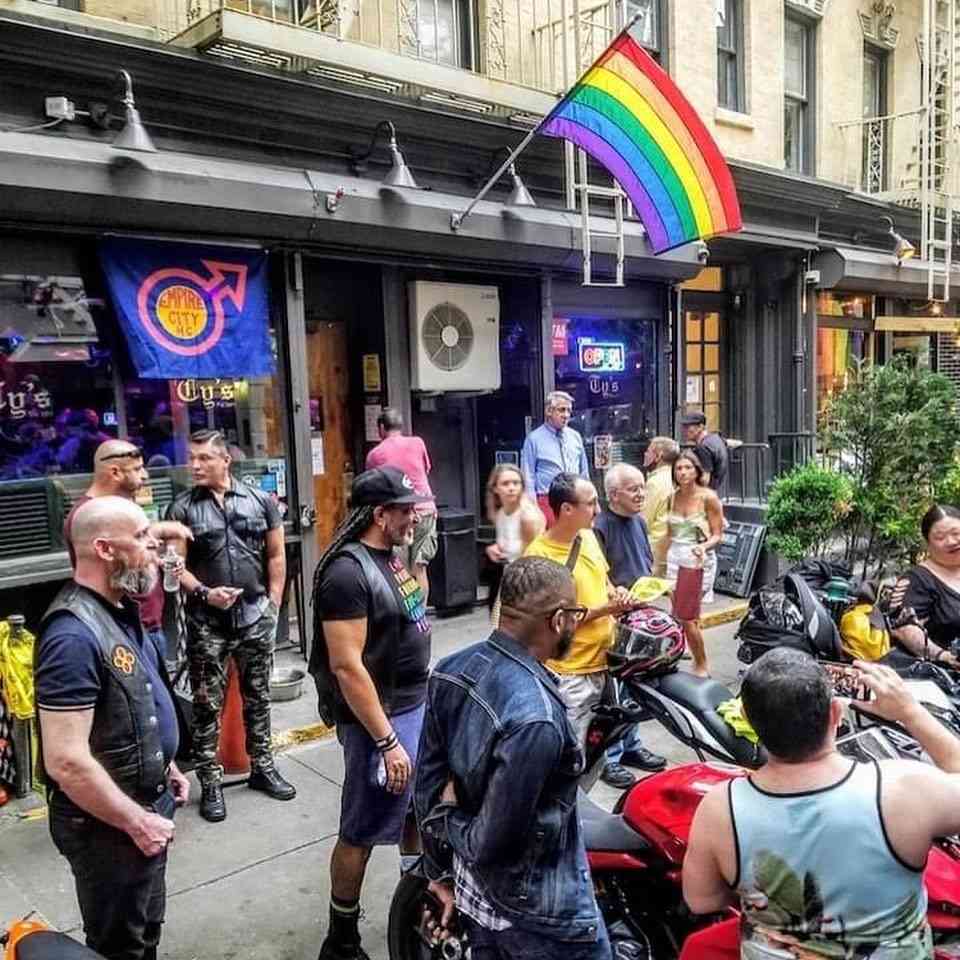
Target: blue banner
x,y
191,310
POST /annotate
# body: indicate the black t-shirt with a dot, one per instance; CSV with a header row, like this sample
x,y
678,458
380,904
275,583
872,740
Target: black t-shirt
x,y
711,451
345,595
626,545
937,605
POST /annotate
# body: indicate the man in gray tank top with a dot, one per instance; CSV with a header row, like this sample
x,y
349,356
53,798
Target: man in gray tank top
x,y
821,853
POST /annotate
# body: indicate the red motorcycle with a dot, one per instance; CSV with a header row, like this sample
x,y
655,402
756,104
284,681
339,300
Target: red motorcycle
x,y
636,852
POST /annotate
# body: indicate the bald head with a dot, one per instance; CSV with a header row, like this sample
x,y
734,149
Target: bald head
x,y
118,469
104,518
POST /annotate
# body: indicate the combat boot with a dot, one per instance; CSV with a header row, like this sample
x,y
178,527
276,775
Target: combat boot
x,y
212,805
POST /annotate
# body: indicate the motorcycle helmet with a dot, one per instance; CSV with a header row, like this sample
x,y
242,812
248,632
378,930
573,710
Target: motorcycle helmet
x,y
647,642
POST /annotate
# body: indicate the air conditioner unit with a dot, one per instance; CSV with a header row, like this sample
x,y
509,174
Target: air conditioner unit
x,y
454,337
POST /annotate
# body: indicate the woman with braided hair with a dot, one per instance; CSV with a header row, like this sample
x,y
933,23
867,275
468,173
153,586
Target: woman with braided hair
x,y
370,659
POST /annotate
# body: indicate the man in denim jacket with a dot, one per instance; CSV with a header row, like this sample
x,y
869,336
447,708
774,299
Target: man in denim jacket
x,y
496,783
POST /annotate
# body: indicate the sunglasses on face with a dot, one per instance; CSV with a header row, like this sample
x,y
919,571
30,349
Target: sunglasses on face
x,y
125,455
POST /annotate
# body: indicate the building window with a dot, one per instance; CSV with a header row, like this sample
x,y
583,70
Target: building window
x,y
66,386
440,30
648,30
730,54
702,387
798,80
874,165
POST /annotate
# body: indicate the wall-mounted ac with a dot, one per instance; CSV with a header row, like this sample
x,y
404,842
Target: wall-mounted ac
x,y
454,336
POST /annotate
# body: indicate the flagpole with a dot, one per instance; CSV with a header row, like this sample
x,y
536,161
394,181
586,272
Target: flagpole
x,y
456,219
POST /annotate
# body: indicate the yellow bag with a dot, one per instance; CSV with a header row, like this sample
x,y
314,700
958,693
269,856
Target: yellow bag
x,y
16,671
860,635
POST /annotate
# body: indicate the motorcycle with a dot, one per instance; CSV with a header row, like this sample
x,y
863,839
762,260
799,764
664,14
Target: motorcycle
x,y
636,852
31,939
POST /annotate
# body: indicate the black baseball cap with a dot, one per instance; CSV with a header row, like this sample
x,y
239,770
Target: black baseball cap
x,y
693,419
382,486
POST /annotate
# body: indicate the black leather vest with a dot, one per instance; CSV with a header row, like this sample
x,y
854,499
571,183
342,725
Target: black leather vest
x,y
386,621
125,737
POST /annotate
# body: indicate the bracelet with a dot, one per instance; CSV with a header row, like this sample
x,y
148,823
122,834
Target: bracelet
x,y
202,593
387,743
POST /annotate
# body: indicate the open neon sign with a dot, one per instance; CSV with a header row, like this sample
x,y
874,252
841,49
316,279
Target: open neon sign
x,y
602,357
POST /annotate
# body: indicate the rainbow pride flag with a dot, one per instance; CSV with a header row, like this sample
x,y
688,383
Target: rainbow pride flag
x,y
628,115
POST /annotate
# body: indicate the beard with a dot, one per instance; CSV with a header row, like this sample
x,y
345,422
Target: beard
x,y
564,643
133,583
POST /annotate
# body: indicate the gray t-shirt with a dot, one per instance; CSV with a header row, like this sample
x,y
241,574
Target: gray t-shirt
x,y
711,451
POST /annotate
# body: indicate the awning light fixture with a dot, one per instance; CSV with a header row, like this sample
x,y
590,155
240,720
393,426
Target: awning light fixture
x,y
134,134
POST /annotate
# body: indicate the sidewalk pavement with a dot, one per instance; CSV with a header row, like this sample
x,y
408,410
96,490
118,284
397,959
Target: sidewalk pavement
x,y
257,885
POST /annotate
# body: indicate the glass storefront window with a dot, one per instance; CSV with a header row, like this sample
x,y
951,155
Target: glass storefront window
x,y
919,348
609,367
66,386
839,351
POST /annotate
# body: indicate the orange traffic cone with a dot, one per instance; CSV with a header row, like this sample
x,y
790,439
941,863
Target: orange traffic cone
x,y
232,748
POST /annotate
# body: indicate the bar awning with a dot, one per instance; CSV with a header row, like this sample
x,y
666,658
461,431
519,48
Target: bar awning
x,y
65,181
853,270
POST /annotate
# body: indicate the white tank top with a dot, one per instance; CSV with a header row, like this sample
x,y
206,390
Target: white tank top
x,y
509,537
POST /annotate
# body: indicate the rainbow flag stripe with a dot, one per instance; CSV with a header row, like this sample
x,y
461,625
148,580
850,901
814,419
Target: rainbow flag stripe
x,y
628,115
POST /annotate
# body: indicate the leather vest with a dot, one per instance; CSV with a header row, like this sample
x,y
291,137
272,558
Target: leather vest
x,y
125,737
386,621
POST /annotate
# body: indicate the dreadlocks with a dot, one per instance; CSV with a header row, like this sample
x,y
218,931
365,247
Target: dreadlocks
x,y
355,522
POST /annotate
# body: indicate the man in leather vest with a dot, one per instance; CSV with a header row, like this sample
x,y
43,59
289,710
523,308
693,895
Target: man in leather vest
x,y
372,649
109,732
236,569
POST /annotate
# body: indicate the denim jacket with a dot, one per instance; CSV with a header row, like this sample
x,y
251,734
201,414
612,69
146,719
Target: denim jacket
x,y
496,724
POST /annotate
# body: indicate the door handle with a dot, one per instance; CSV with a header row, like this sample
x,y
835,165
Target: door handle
x,y
308,516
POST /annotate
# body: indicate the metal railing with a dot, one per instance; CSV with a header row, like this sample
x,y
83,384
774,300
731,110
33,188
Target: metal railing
x,y
748,473
789,450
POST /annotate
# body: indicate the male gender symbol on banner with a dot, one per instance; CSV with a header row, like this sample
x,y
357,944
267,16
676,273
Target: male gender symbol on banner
x,y
175,305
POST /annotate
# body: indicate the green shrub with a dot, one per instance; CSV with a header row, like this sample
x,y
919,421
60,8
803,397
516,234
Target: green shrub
x,y
805,508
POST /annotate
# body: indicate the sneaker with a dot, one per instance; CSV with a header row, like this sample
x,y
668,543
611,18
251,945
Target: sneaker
x,y
617,775
272,784
212,805
332,950
644,759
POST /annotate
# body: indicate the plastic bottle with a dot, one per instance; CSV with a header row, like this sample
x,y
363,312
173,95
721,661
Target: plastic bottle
x,y
171,582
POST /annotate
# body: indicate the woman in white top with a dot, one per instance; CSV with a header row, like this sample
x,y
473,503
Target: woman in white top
x,y
515,516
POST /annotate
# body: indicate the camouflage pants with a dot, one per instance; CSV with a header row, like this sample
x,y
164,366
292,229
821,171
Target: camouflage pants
x,y
251,647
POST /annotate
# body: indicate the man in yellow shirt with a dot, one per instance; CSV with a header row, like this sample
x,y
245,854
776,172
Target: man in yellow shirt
x,y
583,672
658,462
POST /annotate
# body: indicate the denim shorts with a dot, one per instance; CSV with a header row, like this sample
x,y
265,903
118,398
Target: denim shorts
x,y
371,816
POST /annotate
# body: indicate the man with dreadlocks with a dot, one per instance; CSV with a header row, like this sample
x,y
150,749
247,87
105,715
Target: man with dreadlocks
x,y
370,660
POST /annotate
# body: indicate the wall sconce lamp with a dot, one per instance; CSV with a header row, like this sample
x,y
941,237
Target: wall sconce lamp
x,y
520,196
903,249
399,174
134,135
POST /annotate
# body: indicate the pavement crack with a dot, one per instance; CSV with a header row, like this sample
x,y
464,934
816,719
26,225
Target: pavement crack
x,y
307,766
250,866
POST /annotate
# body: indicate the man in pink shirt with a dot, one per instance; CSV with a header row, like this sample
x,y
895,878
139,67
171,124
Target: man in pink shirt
x,y
409,454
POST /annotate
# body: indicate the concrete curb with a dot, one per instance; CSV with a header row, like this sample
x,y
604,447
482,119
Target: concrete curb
x,y
294,737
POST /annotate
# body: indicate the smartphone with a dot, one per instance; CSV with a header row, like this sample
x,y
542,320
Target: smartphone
x,y
847,681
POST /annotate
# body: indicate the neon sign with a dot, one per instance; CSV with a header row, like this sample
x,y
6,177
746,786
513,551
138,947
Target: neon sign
x,y
602,357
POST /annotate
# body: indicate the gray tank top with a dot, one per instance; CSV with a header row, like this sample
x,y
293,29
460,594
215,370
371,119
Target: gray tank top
x,y
816,874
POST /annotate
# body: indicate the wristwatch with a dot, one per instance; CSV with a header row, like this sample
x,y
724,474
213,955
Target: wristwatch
x,y
202,593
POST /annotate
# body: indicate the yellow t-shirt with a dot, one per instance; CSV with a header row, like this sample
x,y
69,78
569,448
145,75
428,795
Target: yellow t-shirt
x,y
592,640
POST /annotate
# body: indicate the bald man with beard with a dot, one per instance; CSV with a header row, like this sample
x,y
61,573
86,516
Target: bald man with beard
x,y
118,471
109,732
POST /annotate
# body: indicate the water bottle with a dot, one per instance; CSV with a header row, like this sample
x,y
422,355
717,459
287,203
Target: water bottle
x,y
171,582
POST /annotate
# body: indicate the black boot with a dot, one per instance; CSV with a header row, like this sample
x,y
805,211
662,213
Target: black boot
x,y
343,938
272,784
212,805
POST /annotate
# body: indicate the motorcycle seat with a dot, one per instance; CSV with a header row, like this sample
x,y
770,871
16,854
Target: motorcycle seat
x,y
702,696
53,945
607,832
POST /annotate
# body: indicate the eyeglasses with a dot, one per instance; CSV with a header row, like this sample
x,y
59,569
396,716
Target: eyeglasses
x,y
577,614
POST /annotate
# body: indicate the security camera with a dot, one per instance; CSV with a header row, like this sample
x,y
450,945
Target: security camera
x,y
703,252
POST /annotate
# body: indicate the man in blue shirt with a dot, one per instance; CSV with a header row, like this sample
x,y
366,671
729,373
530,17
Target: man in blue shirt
x,y
622,533
109,732
551,449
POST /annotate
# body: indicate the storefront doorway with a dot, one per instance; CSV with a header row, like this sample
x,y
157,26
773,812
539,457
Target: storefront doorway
x,y
703,379
331,462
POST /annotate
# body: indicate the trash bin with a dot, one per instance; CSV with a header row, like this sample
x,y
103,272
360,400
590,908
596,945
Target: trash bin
x,y
453,571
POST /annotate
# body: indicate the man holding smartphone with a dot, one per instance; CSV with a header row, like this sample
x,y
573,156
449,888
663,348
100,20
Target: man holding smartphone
x,y
236,568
